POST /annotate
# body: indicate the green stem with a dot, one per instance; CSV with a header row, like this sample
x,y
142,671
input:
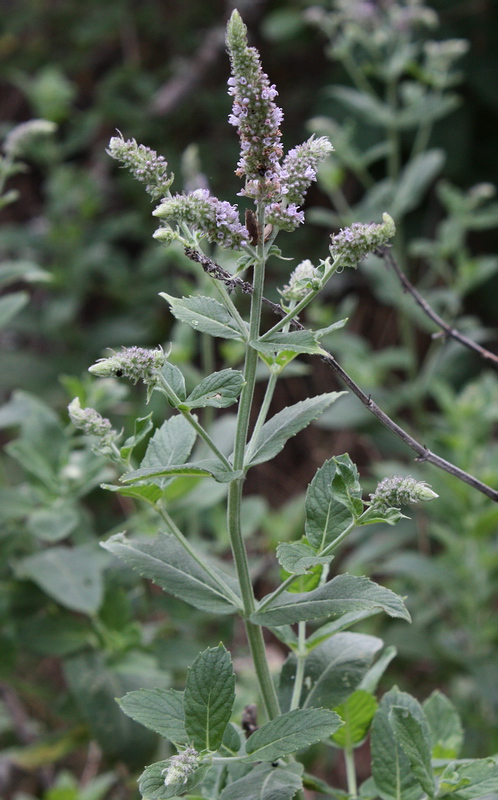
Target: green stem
x,y
301,663
263,412
200,560
254,632
350,771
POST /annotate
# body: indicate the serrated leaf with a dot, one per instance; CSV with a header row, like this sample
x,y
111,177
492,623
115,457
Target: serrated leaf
x,y
151,782
209,697
391,770
342,594
170,445
174,378
414,737
265,782
150,493
326,516
275,433
357,712
71,576
208,466
142,427
297,557
340,624
167,563
294,342
445,725
481,777
160,710
336,667
219,390
205,314
291,732
346,484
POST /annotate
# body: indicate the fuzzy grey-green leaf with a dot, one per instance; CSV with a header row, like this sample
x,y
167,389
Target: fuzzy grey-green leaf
x,y
220,390
205,314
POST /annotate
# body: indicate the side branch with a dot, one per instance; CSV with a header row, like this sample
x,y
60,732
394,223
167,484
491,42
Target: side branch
x,y
423,453
386,254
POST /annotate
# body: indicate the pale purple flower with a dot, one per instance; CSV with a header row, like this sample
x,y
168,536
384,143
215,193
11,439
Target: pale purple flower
x,y
215,219
352,244
299,167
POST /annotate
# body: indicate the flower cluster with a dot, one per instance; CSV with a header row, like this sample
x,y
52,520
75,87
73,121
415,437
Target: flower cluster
x,y
204,214
144,164
181,767
255,115
352,244
91,422
303,279
135,363
20,137
398,491
299,167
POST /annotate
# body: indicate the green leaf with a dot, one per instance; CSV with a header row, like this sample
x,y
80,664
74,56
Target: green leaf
x,y
209,697
290,732
265,782
160,710
143,426
167,563
150,493
391,769
414,737
357,712
342,594
340,624
336,667
220,390
208,466
275,433
174,377
371,680
415,179
294,341
205,314
346,484
170,445
480,778
54,523
71,576
444,723
297,557
326,516
151,782
10,305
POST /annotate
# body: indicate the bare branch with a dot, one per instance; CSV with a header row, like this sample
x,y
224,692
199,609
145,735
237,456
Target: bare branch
x,y
386,254
423,453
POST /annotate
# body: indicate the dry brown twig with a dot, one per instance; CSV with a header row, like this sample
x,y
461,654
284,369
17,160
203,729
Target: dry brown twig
x,y
423,452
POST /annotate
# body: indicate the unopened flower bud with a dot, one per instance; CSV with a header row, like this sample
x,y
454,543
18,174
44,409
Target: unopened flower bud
x,y
352,244
92,423
302,280
136,363
181,767
144,164
397,491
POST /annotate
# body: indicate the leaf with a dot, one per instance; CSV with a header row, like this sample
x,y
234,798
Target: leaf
x,y
219,390
342,594
205,314
71,576
208,466
297,557
346,484
10,305
170,445
54,523
336,667
326,516
290,732
151,782
339,624
294,342
143,425
444,723
415,179
265,782
357,712
275,433
414,737
209,697
174,377
167,563
149,493
367,107
160,710
480,777
391,770
371,680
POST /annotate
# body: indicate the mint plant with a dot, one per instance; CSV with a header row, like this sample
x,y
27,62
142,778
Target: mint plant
x,y
326,688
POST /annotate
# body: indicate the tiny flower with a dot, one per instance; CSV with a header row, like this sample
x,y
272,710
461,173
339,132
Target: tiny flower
x,y
398,491
22,135
92,423
181,767
135,363
287,217
300,164
255,115
215,219
144,164
303,279
352,244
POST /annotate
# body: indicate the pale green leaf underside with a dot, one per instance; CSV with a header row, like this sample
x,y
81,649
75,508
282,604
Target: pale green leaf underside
x,y
205,314
298,557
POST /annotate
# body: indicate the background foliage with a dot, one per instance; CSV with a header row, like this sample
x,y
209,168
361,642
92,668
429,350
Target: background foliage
x,y
76,250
